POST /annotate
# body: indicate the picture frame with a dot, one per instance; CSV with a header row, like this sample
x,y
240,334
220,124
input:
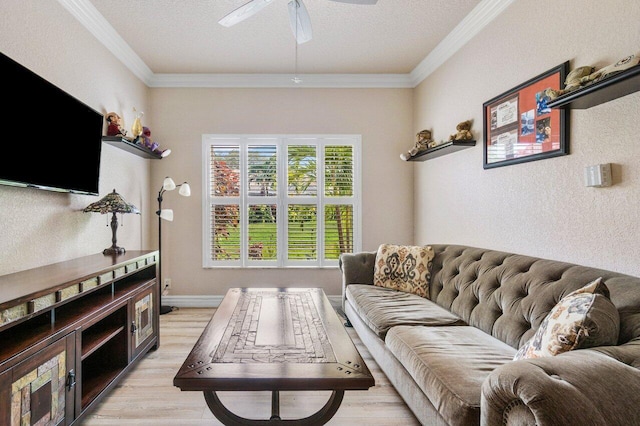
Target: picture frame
x,y
519,126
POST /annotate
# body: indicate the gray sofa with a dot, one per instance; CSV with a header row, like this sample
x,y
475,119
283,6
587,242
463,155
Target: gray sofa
x,y
450,356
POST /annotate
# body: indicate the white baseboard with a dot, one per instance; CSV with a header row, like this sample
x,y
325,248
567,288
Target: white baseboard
x,y
214,301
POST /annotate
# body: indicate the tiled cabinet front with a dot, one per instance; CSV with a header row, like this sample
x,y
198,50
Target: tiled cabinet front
x,y
40,390
143,325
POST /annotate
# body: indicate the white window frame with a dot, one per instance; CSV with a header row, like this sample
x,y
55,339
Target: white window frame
x,y
282,200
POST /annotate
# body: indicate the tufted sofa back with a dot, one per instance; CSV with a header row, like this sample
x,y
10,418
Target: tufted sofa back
x,y
508,295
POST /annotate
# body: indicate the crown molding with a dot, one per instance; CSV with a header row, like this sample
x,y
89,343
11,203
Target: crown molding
x,y
85,12
283,80
471,25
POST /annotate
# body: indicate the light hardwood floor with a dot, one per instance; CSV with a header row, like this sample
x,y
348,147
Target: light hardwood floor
x,y
147,396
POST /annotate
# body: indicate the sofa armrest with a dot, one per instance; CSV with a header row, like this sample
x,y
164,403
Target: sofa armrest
x,y
582,387
356,268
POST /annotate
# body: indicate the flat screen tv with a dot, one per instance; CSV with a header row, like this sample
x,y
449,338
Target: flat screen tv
x,y
50,140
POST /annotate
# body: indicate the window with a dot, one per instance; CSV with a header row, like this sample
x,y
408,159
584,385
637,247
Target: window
x,y
280,201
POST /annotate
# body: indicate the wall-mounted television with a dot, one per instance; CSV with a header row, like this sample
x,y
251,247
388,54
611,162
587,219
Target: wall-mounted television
x,y
50,140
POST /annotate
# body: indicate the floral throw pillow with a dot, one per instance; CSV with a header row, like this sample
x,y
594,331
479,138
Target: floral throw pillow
x,y
583,318
404,268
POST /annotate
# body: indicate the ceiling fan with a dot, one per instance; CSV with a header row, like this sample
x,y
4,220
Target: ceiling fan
x,y
298,15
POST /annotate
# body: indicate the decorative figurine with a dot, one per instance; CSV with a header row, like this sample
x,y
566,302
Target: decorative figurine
x,y
114,125
463,132
422,144
145,140
136,127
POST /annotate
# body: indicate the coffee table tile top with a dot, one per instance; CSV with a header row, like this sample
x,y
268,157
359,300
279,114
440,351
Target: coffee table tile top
x,y
300,337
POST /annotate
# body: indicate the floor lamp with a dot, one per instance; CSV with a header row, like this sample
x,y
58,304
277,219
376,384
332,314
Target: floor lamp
x,y
167,214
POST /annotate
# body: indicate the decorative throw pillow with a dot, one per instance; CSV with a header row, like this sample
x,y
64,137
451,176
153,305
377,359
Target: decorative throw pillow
x,y
404,268
584,318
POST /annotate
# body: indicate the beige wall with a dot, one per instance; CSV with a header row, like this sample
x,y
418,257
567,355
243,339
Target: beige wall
x,y
41,227
182,116
539,208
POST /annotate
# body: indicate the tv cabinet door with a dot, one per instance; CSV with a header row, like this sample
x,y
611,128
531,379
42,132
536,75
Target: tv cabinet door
x,y
41,389
144,326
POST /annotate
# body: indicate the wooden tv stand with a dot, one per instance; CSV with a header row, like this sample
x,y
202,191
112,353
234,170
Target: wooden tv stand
x,y
70,331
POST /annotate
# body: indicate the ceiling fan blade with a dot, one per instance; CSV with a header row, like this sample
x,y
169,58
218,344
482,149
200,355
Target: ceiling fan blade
x,y
358,1
300,21
243,12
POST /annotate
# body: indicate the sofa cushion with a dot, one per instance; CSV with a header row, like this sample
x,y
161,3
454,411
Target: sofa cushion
x,y
382,308
404,268
583,318
449,365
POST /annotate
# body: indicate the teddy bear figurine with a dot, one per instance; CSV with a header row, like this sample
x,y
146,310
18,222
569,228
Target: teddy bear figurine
x,y
575,79
422,144
463,132
145,140
114,125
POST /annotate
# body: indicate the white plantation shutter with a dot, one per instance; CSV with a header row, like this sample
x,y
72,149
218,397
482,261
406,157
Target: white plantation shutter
x,y
262,170
302,230
338,231
338,170
225,167
280,200
225,244
262,244
302,170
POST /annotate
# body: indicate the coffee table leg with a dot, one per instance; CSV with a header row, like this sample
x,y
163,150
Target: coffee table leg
x,y
228,418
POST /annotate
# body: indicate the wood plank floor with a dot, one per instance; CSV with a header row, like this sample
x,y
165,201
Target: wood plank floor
x,y
147,396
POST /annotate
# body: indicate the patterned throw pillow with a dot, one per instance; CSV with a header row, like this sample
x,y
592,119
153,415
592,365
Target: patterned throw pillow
x,y
584,318
404,268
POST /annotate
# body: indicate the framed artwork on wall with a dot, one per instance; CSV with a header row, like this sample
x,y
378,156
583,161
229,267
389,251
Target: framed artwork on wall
x,y
519,126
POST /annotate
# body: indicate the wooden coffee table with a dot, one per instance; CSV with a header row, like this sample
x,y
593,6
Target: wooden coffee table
x,y
274,339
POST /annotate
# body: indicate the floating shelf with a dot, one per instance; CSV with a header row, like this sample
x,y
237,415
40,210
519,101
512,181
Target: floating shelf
x,y
131,147
444,149
616,86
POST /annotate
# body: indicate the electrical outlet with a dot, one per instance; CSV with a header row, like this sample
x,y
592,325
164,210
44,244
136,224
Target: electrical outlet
x,y
167,283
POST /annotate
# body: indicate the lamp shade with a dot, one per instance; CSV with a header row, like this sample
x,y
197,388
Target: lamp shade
x,y
168,184
166,214
185,190
111,203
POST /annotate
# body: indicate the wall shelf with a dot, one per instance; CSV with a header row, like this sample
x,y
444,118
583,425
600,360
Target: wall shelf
x,y
616,86
131,147
444,149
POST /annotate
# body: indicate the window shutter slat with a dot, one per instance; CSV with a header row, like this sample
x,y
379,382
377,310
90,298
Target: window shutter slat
x,y
302,230
263,232
338,170
262,170
301,170
225,171
225,229
338,230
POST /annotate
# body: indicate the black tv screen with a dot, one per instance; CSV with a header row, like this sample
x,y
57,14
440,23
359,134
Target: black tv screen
x,y
51,140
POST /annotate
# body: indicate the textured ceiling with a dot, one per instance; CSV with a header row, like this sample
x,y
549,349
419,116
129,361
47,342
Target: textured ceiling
x,y
184,37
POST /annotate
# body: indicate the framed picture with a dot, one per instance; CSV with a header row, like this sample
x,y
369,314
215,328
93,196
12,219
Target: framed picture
x,y
520,127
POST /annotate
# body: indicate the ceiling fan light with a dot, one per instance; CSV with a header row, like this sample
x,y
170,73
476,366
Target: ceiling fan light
x,y
243,12
300,21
